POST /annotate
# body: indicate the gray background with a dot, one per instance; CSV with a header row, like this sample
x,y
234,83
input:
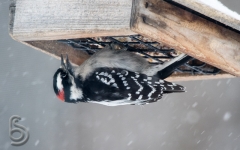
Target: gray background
x,y
207,117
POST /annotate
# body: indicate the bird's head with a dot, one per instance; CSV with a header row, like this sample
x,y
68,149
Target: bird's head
x,y
65,85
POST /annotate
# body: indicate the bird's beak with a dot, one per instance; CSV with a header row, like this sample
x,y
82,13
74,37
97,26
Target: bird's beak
x,y
69,66
66,66
62,63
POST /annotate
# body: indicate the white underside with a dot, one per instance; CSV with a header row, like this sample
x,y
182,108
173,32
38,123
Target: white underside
x,y
119,102
76,93
59,82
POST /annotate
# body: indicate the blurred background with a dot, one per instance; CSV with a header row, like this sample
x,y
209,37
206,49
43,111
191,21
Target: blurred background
x,y
207,117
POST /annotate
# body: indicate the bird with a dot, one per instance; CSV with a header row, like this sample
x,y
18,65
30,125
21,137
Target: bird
x,y
114,77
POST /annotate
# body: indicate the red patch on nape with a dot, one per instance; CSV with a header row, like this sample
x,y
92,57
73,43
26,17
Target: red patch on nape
x,y
61,95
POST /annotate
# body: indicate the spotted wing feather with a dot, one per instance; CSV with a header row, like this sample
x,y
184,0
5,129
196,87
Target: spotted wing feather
x,y
116,84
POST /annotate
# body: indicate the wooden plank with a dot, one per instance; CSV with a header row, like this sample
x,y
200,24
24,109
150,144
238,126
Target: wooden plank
x,y
182,77
77,57
188,33
12,8
66,19
210,12
55,49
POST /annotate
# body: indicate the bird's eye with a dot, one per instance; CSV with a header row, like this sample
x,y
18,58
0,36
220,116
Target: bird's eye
x,y
63,75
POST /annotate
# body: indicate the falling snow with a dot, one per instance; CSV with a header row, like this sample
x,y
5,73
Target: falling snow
x,y
25,73
227,116
195,104
45,123
220,96
228,81
37,82
204,93
209,138
129,143
67,123
219,82
107,138
178,126
183,120
192,117
37,120
37,142
6,145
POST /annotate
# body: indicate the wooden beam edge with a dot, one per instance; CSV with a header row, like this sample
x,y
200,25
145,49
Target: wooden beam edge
x,y
210,12
23,33
12,8
58,35
198,77
55,49
77,57
156,29
77,62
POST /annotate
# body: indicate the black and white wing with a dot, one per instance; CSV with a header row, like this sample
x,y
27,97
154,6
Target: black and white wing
x,y
120,87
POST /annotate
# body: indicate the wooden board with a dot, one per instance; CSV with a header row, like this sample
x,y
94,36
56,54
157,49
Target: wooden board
x,y
66,19
182,77
77,57
210,12
55,49
37,23
188,33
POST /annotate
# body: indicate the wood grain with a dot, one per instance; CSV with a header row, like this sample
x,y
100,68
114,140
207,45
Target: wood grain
x,y
66,19
77,57
31,35
188,33
182,77
55,49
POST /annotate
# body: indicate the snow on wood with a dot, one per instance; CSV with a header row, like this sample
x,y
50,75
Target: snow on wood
x,y
213,9
220,7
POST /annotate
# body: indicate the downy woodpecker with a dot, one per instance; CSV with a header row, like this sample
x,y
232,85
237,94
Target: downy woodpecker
x,y
114,77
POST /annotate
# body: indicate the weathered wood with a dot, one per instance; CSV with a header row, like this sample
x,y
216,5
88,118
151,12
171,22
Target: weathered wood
x,y
55,49
77,57
210,12
25,27
12,8
66,19
188,33
182,77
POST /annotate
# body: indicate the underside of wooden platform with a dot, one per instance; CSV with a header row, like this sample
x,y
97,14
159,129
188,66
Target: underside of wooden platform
x,y
40,23
188,33
55,49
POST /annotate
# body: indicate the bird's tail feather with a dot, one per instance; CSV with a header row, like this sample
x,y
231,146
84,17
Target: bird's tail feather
x,y
169,67
170,87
